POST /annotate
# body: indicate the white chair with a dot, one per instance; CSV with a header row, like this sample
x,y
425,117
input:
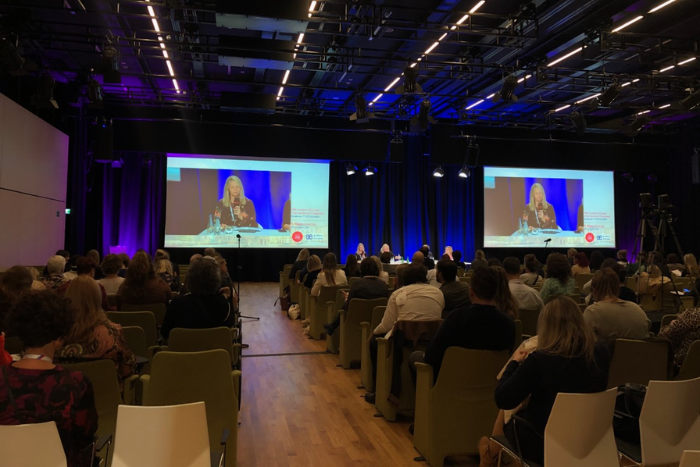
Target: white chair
x,y
669,423
690,459
18,445
164,436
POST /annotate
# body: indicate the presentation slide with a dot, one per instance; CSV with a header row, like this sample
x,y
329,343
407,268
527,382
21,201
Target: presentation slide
x,y
264,203
526,207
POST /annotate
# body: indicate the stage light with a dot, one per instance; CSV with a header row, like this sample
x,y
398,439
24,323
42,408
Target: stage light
x,y
692,100
464,172
438,172
94,94
110,64
370,170
10,56
627,177
421,121
410,86
579,122
632,129
350,168
506,92
361,115
43,99
609,95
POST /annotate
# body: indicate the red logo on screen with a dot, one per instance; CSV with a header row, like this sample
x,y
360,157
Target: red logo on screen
x,y
297,236
590,237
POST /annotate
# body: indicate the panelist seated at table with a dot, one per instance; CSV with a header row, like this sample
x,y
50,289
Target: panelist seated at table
x,y
234,209
538,213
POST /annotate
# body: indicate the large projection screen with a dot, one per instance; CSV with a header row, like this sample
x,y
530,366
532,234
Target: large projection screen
x,y
264,203
526,207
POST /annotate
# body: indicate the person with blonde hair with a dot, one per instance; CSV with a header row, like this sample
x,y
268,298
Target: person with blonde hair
x,y
299,264
538,212
311,271
92,335
567,359
329,276
234,209
164,269
142,286
691,266
360,253
653,282
448,252
54,269
479,260
383,275
162,254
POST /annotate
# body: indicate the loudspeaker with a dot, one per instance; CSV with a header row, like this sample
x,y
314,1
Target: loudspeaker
x,y
103,143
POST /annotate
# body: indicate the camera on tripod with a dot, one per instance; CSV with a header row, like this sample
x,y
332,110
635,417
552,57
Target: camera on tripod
x,y
663,208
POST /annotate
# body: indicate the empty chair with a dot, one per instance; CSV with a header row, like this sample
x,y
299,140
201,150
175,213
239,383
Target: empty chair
x,y
640,361
317,309
582,279
186,377
667,319
18,445
284,279
365,360
691,364
198,340
168,436
455,412
359,311
294,289
529,320
146,320
112,299
651,302
136,340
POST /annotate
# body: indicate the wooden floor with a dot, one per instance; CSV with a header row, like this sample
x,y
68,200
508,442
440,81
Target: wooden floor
x,y
300,409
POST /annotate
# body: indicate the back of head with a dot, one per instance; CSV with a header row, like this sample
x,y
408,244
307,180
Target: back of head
x,y
620,271
582,259
378,262
400,270
562,331
86,299
605,284
164,266
368,267
691,265
448,269
94,255
209,252
480,255
63,253
125,259
457,255
111,265
85,265
204,277
512,266
313,263
330,265
558,267
138,276
494,262
531,264
608,263
654,271
425,250
571,252
418,257
351,264
622,255
161,254
484,283
16,281
672,258
40,317
385,257
56,264
596,260
415,274
504,298
195,257
303,255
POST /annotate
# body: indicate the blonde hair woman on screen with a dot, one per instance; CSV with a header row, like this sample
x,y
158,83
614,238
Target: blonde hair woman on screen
x,y
360,253
234,209
538,212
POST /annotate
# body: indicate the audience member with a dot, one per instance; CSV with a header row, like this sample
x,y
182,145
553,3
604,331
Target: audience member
x,y
505,301
93,336
94,255
595,262
352,268
35,390
531,277
111,265
195,257
457,258
14,283
383,275
580,265
164,270
456,292
653,282
538,269
299,264
55,278
479,260
162,254
449,252
674,264
226,280
493,262
367,288
418,258
141,285
525,296
329,276
125,261
65,254
398,278
567,360
86,267
386,257
209,252
611,318
691,267
571,255
430,253
559,279
622,258
427,261
625,292
313,268
682,332
70,273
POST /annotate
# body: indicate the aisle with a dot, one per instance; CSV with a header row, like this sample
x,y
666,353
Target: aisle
x,y
302,410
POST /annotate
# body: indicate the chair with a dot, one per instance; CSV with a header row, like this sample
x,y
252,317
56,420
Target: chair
x,y
518,334
529,319
461,272
112,299
582,307
582,279
691,364
304,300
631,282
352,280
317,309
158,310
453,413
640,361
650,302
18,444
146,320
333,342
668,424
690,459
186,377
136,340
168,436
284,279
668,319
359,311
365,361
467,278
199,340
590,442
294,289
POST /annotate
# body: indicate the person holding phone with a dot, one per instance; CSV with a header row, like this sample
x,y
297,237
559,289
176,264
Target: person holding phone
x,y
234,209
538,213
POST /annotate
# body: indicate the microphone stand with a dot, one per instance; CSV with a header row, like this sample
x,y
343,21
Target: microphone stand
x,y
544,252
239,270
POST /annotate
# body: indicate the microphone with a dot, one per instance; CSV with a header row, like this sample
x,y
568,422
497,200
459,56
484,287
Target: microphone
x,y
548,240
537,208
238,236
236,202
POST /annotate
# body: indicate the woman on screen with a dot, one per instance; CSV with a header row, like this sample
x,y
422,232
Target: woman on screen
x,y
234,209
538,212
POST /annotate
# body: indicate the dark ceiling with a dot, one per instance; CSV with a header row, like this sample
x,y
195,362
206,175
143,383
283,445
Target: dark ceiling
x,y
234,56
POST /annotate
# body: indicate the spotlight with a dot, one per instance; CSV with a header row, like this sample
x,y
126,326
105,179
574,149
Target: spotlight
x,y
421,121
579,122
409,85
627,177
370,170
110,63
464,172
361,115
43,99
633,128
609,95
471,158
350,169
691,101
506,92
95,94
439,172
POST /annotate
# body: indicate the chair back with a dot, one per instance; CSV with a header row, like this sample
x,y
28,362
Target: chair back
x,y
639,361
168,436
461,272
651,302
582,279
333,341
199,340
529,319
670,421
690,459
352,280
691,364
186,377
135,340
359,311
112,299
158,310
294,288
146,320
284,279
590,441
518,334
668,319
631,282
18,444
366,363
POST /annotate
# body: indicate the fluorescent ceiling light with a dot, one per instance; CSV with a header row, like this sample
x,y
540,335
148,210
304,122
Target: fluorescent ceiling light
x,y
413,64
462,19
430,49
151,12
155,24
626,84
667,68
489,97
562,108
657,8
162,46
392,84
664,106
279,93
524,78
475,104
477,6
313,5
635,80
442,37
165,54
301,38
286,75
588,98
170,67
632,21
644,112
176,85
687,61
573,52
377,98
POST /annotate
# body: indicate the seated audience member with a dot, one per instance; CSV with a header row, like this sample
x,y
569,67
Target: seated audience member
x,y
209,252
141,285
164,270
329,276
595,262
682,332
162,254
415,301
674,264
86,267
94,255
531,277
386,257
567,360
580,265
481,326
505,301
559,279
432,278
479,260
55,278
456,292
205,306
691,267
457,258
93,336
625,292
14,283
125,261
609,317
383,275
367,288
525,296
226,280
195,257
607,263
571,255
398,278
653,282
111,266
299,264
65,254
493,262
313,268
70,273
352,268
622,258
418,258
427,260
35,390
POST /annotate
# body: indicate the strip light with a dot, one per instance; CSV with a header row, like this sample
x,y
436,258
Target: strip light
x,y
588,98
523,79
151,12
573,52
377,98
392,84
562,108
477,6
632,21
313,6
657,8
664,106
644,112
490,96
475,104
687,61
170,67
176,85
279,93
286,75
301,38
431,47
442,37
461,20
667,68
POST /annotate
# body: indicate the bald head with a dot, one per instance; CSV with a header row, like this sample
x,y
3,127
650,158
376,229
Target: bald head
x,y
195,258
418,257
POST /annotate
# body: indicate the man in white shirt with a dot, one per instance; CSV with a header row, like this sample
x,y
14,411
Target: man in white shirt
x,y
527,297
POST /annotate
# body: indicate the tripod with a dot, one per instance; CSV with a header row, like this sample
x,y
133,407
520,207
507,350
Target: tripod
x,y
665,226
239,270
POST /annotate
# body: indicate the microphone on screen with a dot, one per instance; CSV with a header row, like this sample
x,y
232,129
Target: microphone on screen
x,y
236,202
548,240
238,236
